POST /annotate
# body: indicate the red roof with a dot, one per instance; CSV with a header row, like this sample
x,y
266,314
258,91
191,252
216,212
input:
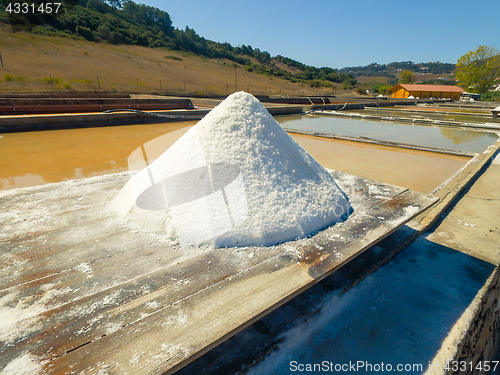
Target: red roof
x,y
433,88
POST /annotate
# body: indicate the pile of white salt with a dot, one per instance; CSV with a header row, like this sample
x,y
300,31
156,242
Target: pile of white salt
x,y
235,179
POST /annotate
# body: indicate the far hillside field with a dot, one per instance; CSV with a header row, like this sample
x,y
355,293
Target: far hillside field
x,y
36,63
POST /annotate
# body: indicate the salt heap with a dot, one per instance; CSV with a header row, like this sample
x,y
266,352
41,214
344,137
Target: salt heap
x,y
236,179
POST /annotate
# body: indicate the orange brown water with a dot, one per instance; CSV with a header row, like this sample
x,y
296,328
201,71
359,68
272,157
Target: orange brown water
x,y
35,158
417,170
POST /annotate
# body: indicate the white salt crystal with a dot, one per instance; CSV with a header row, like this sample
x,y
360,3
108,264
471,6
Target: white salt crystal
x,y
236,179
26,364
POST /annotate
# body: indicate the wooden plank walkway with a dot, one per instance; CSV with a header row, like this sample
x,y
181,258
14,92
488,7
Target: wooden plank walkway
x,y
81,292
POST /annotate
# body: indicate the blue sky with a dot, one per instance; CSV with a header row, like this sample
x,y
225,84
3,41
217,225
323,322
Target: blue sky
x,y
344,33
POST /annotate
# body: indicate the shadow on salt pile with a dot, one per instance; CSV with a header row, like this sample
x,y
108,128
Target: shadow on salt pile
x,y
399,315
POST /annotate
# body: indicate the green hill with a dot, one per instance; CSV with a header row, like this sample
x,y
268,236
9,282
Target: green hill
x,y
427,73
124,25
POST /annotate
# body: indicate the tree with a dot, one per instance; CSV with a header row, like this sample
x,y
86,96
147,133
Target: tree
x,y
406,76
85,32
477,70
104,32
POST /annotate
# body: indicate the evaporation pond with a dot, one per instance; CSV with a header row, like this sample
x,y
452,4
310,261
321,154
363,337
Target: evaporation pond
x,y
449,138
36,158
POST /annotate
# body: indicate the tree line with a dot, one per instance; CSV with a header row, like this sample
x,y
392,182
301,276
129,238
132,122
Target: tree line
x,y
392,70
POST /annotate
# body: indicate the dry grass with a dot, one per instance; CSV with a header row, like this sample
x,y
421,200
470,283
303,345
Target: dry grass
x,y
76,64
373,80
424,77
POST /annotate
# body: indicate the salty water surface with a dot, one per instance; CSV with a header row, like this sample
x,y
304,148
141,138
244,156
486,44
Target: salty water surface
x,y
449,138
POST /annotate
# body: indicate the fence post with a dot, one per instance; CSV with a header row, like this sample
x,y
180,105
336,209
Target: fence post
x,y
235,78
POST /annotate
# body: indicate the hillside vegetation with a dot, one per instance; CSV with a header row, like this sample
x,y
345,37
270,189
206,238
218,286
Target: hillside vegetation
x,y
40,63
391,70
377,75
116,30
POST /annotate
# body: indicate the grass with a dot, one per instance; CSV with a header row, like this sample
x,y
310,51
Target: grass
x,y
53,81
373,80
11,78
173,57
75,64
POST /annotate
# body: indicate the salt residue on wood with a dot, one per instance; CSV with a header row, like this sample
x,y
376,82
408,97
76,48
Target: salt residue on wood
x,y
26,364
234,179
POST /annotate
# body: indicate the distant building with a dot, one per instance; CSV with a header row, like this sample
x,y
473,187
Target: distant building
x,y
403,90
496,86
495,111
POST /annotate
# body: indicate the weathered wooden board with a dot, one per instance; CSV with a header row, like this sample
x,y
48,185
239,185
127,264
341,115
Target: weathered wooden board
x,y
81,292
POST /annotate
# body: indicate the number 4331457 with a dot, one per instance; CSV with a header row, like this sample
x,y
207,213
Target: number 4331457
x,y
469,366
24,8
